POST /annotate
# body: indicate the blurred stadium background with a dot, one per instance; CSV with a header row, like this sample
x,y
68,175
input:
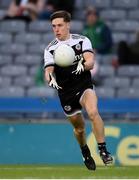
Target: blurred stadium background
x,y
33,128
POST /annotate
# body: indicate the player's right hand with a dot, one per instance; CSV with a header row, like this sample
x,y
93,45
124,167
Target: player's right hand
x,y
53,83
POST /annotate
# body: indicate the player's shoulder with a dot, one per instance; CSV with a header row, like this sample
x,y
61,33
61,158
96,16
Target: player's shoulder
x,y
52,44
78,36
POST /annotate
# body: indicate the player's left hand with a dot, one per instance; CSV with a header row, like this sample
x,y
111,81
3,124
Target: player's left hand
x,y
80,67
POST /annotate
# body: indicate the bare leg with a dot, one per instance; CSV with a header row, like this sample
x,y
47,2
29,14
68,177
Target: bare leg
x,y
79,131
89,102
79,128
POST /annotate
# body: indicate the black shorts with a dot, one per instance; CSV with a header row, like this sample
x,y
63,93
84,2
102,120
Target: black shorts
x,y
71,102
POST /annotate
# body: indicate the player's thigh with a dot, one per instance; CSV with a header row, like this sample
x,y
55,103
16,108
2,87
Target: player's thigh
x,y
77,120
89,101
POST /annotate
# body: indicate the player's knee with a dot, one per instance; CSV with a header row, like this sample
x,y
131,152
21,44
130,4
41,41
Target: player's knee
x,y
73,118
79,131
93,114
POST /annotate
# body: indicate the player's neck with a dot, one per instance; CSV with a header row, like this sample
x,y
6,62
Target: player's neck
x,y
67,37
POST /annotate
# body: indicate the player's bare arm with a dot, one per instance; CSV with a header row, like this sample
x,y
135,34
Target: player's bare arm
x,y
85,63
89,58
49,70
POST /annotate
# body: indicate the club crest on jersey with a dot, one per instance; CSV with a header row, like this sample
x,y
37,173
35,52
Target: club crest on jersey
x,y
67,108
78,47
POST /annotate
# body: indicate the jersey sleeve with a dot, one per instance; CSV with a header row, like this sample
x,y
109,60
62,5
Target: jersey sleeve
x,y
87,46
48,59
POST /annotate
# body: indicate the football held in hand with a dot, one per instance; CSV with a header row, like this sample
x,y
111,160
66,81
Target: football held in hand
x,y
64,55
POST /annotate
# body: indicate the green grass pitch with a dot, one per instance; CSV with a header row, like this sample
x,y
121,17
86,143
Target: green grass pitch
x,y
67,172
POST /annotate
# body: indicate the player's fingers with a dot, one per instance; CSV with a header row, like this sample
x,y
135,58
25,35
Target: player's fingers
x,y
59,87
78,72
73,71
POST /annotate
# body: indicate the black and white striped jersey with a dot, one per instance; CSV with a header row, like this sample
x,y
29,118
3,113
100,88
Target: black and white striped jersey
x,y
64,76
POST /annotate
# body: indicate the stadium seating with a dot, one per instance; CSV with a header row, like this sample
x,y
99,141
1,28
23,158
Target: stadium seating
x,y
12,91
36,48
27,38
105,92
24,81
22,46
128,93
5,38
126,25
113,14
106,59
47,38
106,70
79,4
128,71
5,59
5,81
5,3
13,70
33,70
135,82
12,26
28,59
76,26
40,26
13,49
117,82
2,13
40,92
134,14
125,4
119,36
98,3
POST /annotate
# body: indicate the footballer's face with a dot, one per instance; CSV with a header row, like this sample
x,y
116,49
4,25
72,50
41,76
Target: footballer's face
x,y
61,28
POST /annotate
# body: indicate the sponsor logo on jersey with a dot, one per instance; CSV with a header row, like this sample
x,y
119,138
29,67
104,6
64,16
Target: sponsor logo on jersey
x,y
78,58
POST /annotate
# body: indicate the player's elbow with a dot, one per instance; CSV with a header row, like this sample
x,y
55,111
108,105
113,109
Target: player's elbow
x,y
91,65
87,67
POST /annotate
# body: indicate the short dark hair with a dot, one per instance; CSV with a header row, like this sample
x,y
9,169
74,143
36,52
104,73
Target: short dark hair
x,y
61,14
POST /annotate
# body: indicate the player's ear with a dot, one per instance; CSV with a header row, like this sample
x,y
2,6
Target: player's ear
x,y
68,25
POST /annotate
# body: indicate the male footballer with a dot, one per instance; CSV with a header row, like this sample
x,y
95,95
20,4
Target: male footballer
x,y
74,85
